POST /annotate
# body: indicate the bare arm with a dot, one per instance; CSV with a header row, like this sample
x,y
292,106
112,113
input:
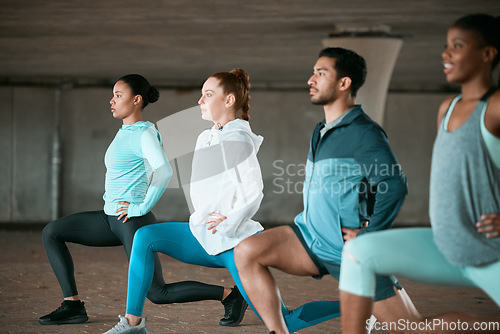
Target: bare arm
x,y
490,222
492,116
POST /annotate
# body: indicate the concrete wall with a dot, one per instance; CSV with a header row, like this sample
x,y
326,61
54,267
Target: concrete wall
x,y
285,119
25,136
410,122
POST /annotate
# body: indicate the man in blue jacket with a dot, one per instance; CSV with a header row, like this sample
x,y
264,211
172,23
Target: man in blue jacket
x,y
353,185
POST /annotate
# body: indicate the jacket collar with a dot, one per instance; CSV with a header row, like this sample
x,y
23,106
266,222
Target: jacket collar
x,y
353,113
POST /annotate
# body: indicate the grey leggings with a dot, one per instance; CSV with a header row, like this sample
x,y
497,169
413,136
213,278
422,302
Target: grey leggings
x,y
96,229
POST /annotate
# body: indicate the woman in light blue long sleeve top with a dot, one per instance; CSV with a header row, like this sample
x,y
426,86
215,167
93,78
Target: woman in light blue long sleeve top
x,y
137,174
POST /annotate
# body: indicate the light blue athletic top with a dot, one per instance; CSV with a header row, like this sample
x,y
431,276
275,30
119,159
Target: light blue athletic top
x,y
137,169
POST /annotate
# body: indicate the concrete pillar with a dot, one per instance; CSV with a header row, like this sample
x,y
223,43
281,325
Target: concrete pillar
x,y
380,51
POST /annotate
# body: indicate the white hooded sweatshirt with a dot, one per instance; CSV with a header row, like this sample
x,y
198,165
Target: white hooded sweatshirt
x,y
226,179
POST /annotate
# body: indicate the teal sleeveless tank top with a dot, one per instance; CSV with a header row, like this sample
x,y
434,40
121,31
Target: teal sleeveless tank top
x,y
465,184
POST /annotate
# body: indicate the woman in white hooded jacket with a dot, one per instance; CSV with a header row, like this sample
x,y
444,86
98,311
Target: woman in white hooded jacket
x,y
226,186
226,191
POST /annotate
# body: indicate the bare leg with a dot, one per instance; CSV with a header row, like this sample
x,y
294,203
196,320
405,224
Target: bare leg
x,y
278,248
133,320
355,310
75,298
226,293
395,308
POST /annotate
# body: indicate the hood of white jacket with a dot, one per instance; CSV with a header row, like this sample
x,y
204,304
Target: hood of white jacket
x,y
240,125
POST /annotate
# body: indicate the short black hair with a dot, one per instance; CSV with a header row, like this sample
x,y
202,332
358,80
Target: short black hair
x,y
348,64
485,28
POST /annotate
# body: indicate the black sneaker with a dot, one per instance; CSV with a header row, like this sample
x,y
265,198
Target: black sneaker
x,y
235,307
69,312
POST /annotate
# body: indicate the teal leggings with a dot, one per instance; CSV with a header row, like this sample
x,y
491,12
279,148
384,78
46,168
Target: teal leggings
x,y
410,253
177,241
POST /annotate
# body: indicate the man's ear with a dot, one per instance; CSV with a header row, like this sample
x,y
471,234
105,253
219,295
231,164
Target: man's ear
x,y
230,99
345,83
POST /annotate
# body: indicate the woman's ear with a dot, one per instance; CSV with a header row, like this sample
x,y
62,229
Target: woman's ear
x,y
230,99
489,54
137,99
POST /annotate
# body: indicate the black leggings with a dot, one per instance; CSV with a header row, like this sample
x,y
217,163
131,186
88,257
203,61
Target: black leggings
x,y
95,228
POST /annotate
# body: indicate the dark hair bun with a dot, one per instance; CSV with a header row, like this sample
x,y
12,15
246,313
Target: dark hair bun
x,y
153,95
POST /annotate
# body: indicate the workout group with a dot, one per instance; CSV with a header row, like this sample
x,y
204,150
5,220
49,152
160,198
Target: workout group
x,y
343,231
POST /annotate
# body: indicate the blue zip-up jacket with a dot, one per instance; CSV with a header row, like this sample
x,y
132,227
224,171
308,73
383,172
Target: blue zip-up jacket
x,y
352,176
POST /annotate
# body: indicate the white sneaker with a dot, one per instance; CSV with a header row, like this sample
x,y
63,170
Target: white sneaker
x,y
124,328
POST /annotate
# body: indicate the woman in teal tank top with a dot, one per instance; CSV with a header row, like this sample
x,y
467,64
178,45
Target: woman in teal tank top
x,y
463,246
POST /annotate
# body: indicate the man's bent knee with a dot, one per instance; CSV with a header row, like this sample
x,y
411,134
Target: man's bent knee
x,y
246,251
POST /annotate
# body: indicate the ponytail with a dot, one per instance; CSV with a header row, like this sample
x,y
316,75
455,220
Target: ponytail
x,y
245,101
237,82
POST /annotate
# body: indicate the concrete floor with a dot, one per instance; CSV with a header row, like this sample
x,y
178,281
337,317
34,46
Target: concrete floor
x,y
28,289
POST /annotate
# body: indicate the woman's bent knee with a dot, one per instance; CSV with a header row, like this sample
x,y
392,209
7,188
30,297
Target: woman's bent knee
x,y
362,247
142,236
50,231
155,296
